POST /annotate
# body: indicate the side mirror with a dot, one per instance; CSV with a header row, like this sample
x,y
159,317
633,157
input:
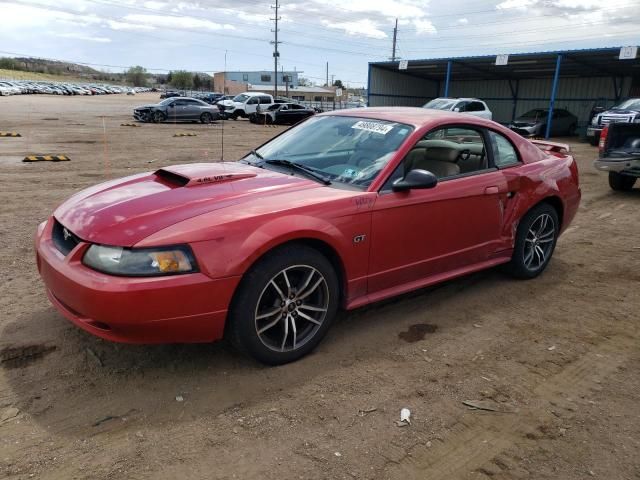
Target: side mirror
x,y
415,179
456,109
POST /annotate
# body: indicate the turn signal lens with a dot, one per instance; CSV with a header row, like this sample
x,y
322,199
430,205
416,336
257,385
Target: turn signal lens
x,y
170,261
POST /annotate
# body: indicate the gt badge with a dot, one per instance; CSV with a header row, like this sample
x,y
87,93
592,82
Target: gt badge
x,y
359,238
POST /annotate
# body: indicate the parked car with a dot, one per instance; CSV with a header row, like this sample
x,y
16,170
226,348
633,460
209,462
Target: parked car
x,y
344,209
246,104
534,123
619,148
625,112
170,94
282,113
472,106
177,109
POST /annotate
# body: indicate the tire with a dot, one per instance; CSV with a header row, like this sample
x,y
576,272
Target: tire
x,y
593,141
622,183
283,334
535,242
206,118
158,117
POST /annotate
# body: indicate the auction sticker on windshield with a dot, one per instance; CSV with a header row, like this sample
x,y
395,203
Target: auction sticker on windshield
x,y
374,127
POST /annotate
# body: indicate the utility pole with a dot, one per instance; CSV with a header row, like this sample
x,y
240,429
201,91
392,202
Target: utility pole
x,y
395,38
327,74
276,54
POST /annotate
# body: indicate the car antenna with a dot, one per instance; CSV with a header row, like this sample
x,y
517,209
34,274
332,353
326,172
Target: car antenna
x,y
224,87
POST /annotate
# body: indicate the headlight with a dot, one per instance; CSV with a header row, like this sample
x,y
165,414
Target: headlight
x,y
140,262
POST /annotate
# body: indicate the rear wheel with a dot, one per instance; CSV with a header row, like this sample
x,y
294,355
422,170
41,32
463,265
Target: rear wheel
x,y
594,140
206,118
621,182
284,305
535,242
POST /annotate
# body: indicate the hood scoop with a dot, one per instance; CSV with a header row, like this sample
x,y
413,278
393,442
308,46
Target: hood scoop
x,y
195,174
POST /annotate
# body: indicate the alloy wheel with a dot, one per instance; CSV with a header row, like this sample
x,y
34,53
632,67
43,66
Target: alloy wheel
x,y
291,308
539,241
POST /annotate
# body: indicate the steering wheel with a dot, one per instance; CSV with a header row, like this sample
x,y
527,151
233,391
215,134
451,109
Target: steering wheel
x,y
464,155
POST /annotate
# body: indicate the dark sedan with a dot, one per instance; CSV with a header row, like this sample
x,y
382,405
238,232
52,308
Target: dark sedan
x,y
177,109
534,123
283,113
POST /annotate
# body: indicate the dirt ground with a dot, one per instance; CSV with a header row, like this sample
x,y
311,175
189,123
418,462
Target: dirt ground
x,y
556,359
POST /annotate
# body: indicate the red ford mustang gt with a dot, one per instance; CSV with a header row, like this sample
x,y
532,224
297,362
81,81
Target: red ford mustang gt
x,y
345,209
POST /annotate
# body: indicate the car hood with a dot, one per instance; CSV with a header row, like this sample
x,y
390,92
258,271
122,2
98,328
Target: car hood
x,y
620,111
151,105
125,211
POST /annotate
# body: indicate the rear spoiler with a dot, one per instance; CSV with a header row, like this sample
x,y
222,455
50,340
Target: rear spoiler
x,y
553,147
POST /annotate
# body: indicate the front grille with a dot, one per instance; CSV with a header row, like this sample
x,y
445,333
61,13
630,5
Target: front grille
x,y
63,239
617,119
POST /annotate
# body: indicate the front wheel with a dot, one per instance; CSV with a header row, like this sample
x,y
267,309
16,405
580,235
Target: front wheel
x,y
206,118
535,242
158,117
621,182
284,305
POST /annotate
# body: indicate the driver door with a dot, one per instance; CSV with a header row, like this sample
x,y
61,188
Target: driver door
x,y
425,233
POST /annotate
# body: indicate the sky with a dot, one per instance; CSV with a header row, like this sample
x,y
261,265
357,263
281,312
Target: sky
x,y
200,35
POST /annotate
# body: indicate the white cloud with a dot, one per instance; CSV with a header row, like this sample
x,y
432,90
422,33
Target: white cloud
x,y
387,8
515,4
81,36
114,25
424,27
463,21
360,27
161,21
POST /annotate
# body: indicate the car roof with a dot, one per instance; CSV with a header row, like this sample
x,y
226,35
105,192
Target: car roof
x,y
416,116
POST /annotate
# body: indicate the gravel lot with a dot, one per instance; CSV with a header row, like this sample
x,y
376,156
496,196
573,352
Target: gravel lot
x,y
557,357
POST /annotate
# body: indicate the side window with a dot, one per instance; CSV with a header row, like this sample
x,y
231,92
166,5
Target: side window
x,y
253,101
475,107
445,152
265,100
504,153
461,106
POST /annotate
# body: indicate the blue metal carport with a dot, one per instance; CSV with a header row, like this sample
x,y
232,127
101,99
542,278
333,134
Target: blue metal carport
x,y
572,79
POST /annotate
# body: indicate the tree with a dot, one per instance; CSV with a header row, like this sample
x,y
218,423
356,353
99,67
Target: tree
x,y
182,79
168,77
338,84
197,82
137,76
8,63
304,82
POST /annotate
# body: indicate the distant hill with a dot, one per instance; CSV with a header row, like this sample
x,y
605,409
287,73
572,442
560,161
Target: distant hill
x,y
57,68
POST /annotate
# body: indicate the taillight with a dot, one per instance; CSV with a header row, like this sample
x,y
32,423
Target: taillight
x,y
603,139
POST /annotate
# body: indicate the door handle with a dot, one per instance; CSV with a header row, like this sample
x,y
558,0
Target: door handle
x,y
491,191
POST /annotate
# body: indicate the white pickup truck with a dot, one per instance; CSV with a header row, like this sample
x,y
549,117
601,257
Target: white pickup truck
x,y
625,112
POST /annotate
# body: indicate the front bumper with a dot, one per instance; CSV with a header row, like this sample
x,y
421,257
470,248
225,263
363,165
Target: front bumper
x,y
594,131
142,115
173,309
624,166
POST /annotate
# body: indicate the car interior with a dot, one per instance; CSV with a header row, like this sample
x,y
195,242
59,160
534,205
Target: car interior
x,y
448,152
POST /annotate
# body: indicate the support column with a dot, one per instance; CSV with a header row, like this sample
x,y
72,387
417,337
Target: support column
x,y
446,82
552,102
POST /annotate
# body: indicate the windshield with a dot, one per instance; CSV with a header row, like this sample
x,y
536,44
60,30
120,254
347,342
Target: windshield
x,y
440,104
348,150
241,98
535,113
631,104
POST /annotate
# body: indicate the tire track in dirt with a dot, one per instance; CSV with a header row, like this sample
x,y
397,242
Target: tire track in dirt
x,y
478,437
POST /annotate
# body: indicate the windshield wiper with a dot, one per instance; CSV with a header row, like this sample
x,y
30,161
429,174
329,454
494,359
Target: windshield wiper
x,y
300,167
256,154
